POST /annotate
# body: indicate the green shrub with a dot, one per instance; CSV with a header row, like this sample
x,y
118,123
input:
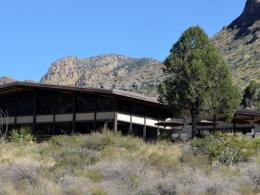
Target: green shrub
x,y
226,149
256,144
165,135
94,175
23,135
97,141
98,191
74,160
128,142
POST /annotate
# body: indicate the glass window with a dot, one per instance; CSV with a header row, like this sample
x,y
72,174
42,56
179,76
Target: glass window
x,y
45,102
123,128
105,104
64,103
138,109
124,106
84,127
25,103
151,133
63,128
138,130
7,104
85,103
152,112
44,130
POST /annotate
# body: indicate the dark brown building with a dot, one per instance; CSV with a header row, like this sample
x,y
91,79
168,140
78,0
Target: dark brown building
x,y
54,110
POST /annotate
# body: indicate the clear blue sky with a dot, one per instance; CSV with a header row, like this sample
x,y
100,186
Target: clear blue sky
x,y
34,33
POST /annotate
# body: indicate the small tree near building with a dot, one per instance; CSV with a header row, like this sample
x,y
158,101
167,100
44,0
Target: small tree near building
x,y
198,79
251,96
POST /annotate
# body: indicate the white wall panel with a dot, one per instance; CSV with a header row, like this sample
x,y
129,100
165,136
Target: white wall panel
x,y
151,122
44,118
24,119
105,115
123,117
64,117
138,120
84,116
10,120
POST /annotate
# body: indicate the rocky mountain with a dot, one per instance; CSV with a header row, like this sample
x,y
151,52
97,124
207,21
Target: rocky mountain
x,y
5,80
107,71
239,43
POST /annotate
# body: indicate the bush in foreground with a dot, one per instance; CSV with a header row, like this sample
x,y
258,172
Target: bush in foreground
x,y
111,164
22,135
227,149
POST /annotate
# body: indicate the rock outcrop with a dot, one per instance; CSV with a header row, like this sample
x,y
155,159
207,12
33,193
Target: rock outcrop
x,y
249,16
5,80
107,71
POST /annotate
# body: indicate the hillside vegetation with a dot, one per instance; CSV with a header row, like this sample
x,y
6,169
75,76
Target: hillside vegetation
x,y
239,43
100,164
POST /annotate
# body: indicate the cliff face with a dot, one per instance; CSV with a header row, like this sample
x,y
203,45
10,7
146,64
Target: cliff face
x,y
249,16
107,71
239,43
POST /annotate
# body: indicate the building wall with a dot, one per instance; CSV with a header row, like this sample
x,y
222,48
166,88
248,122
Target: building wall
x,y
49,112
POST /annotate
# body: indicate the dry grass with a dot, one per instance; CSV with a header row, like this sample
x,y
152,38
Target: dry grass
x,y
101,164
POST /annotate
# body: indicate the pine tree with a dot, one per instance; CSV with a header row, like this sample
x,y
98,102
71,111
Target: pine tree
x,y
198,79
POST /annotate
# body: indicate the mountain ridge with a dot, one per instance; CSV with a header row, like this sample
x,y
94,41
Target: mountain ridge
x,y
5,80
110,71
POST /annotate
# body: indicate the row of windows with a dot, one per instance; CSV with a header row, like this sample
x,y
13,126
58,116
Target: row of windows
x,y
139,109
62,103
46,102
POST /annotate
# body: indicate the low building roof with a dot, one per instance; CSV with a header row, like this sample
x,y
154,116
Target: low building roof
x,y
246,112
16,86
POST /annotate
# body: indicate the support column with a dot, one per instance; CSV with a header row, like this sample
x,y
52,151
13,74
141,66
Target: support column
x,y
131,125
215,123
234,126
144,129
74,114
130,130
158,133
253,132
95,115
115,123
105,125
34,112
54,113
158,129
15,111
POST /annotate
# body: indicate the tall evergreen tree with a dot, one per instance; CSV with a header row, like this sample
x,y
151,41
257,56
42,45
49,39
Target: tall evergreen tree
x,y
198,79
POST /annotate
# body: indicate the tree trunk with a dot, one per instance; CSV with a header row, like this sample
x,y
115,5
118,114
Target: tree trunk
x,y
215,123
193,126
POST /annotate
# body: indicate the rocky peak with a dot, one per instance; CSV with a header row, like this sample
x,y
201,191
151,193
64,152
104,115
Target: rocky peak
x,y
240,44
249,17
252,6
5,80
110,71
